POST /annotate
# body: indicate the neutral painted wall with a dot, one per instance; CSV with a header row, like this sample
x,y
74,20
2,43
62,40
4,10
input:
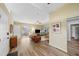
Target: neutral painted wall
x,y
60,40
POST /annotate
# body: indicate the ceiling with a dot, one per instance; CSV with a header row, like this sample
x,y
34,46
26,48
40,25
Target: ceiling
x,y
32,12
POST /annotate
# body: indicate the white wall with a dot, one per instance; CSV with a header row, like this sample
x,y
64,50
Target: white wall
x,y
58,40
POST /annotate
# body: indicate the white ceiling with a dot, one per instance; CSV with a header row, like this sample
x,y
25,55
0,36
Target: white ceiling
x,y
32,12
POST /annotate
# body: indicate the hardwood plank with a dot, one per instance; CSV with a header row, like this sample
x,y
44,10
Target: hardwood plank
x,y
38,49
73,47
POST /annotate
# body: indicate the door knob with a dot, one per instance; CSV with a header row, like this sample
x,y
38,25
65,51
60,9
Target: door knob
x,y
7,37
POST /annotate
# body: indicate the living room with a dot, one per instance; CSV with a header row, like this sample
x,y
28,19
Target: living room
x,y
25,27
36,29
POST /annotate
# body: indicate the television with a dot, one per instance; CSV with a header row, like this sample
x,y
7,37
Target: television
x,y
37,31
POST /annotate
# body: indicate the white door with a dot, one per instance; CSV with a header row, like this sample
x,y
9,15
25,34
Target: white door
x,y
4,42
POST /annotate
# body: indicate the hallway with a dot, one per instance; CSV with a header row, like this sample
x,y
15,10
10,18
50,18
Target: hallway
x,y
29,48
73,47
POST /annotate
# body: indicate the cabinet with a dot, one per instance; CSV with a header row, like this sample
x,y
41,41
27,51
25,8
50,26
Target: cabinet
x,y
13,42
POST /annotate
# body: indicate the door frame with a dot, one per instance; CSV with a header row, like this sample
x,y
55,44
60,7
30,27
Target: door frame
x,y
70,22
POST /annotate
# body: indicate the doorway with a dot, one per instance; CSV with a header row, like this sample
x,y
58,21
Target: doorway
x,y
4,30
73,36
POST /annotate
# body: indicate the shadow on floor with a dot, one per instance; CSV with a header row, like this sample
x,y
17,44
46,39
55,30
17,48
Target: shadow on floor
x,y
13,54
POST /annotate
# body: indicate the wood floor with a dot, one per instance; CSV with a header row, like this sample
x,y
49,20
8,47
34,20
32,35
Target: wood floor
x,y
73,47
29,48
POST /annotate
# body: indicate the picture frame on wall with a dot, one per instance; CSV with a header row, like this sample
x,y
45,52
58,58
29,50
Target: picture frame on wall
x,y
56,27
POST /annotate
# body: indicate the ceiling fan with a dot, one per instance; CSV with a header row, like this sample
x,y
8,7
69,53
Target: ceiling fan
x,y
38,22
